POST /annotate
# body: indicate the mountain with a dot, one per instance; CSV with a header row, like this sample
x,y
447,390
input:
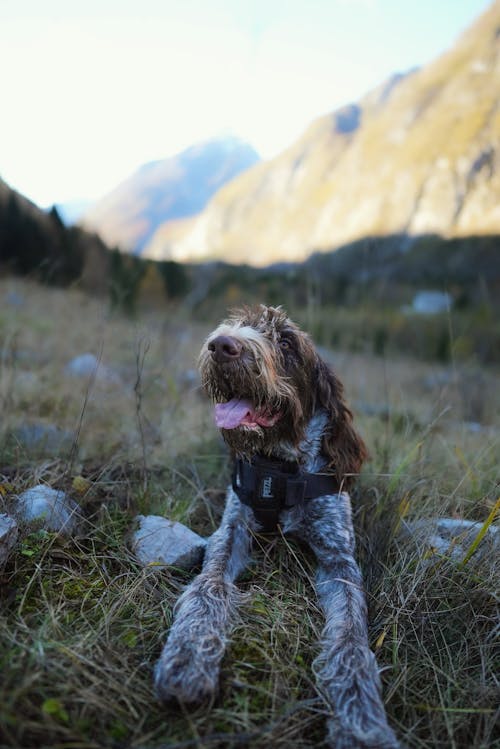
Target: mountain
x,y
173,188
419,155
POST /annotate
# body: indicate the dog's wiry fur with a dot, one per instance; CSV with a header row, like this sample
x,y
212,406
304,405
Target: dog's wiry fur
x,y
278,369
293,379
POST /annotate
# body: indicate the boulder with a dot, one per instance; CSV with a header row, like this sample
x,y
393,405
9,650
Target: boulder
x,y
166,542
8,536
47,439
431,302
51,508
451,537
15,299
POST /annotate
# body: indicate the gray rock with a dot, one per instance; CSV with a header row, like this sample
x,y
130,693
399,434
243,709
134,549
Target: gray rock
x,y
88,365
167,542
451,537
431,302
54,509
440,379
474,427
43,438
8,537
15,299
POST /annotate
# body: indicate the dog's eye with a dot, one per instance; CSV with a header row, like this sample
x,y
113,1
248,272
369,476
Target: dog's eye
x,y
284,343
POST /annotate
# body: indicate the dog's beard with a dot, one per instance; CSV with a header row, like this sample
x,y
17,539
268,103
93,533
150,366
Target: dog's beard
x,y
248,441
245,441
257,405
248,423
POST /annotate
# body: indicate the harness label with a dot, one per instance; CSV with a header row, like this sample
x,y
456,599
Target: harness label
x,y
267,488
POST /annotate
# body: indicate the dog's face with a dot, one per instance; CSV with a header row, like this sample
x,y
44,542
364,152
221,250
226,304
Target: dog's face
x,y
257,368
266,380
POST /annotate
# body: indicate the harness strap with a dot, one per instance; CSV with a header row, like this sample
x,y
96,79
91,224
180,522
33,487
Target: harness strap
x,y
269,486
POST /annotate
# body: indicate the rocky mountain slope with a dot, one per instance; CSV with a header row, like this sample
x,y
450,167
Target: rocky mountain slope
x,y
421,154
167,189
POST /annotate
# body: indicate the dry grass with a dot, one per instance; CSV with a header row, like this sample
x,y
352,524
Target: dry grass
x,y
81,624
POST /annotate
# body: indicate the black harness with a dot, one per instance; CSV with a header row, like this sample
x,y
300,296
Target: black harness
x,y
270,486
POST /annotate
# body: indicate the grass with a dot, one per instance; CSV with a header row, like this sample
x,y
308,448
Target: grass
x,y
81,623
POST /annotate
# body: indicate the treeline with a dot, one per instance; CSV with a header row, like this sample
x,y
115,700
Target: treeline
x,y
360,297
39,245
385,271
467,267
357,297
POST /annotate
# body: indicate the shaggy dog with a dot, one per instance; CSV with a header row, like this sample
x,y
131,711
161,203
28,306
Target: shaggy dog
x,y
282,412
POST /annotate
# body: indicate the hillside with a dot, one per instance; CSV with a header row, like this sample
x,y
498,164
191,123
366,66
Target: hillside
x,y
37,243
172,188
418,155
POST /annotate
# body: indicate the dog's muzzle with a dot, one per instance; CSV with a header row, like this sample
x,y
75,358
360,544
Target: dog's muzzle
x,y
270,486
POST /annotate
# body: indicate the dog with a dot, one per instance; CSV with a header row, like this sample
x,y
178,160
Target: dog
x,y
281,410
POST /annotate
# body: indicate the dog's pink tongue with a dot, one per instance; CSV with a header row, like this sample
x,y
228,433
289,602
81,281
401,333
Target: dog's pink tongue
x,y
231,414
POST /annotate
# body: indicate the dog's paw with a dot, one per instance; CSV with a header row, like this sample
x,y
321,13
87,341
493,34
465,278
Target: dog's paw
x,y
186,673
354,737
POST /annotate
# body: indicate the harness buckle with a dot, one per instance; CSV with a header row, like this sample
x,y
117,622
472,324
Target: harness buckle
x,y
269,487
262,487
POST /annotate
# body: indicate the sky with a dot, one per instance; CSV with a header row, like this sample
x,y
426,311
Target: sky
x,y
92,89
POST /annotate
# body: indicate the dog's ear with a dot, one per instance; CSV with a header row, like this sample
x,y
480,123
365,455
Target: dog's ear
x,y
342,445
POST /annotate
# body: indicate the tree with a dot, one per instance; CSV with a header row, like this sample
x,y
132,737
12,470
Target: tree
x,y
126,274
175,278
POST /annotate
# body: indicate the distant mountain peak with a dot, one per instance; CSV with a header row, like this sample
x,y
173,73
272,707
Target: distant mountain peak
x,y
167,189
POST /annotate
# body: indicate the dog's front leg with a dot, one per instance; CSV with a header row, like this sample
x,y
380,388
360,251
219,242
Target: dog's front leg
x,y
188,668
346,668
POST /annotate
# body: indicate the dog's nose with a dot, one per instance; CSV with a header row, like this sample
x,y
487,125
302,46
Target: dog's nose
x,y
224,348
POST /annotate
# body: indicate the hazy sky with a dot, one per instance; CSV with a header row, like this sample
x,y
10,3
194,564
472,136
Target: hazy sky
x,y
91,89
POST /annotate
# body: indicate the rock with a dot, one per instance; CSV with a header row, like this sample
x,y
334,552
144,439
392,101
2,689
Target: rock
x,y
439,379
348,119
162,541
473,426
15,299
8,537
451,537
44,438
88,365
431,302
55,510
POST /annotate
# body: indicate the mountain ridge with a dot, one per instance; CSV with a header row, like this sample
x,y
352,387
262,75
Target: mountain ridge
x,y
171,188
418,155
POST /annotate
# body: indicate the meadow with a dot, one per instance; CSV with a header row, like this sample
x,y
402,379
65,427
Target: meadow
x,y
82,623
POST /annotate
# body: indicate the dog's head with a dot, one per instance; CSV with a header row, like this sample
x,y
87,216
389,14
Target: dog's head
x,y
267,380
